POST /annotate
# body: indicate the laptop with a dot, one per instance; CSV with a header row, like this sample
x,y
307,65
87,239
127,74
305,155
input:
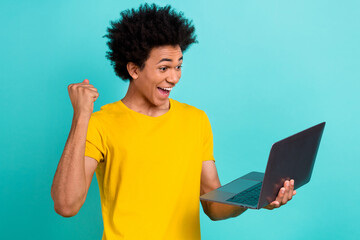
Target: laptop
x,y
290,158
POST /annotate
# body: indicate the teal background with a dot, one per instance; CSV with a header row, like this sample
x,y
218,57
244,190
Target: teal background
x,y
262,70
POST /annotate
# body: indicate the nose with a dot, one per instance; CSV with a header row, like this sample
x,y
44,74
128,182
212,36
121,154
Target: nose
x,y
173,77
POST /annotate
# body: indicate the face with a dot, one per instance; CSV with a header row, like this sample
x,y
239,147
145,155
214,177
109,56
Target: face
x,y
162,71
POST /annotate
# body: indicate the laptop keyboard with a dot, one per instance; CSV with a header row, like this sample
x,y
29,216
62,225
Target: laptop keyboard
x,y
249,197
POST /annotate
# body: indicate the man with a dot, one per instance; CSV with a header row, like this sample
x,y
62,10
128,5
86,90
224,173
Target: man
x,y
153,155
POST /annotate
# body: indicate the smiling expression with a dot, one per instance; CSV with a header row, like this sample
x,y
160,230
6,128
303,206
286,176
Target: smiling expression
x,y
152,84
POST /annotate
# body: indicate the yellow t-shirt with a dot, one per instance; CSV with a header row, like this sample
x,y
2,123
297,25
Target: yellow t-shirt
x,y
149,170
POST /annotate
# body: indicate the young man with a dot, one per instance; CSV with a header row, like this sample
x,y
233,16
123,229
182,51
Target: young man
x,y
153,155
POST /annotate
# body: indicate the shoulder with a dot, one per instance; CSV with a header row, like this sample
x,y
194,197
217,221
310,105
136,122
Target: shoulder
x,y
107,110
187,108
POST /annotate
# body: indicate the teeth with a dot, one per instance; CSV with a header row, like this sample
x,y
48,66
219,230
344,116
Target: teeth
x,y
168,89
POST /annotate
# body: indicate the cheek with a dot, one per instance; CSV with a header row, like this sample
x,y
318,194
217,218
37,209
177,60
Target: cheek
x,y
144,86
151,81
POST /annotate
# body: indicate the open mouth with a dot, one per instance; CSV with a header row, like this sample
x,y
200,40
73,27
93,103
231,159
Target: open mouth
x,y
164,91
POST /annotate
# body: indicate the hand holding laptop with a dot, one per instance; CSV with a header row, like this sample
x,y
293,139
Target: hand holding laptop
x,y
285,194
290,159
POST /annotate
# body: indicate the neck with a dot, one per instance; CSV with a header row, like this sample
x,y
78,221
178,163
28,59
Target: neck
x,y
139,103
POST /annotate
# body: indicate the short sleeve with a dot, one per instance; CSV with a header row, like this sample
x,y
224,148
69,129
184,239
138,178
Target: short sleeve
x,y
94,147
208,145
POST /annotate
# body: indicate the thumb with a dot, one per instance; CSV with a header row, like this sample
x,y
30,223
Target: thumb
x,y
86,81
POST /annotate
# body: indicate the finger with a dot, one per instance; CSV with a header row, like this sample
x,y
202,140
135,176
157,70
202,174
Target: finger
x,y
72,87
275,204
96,96
86,81
272,205
291,190
280,195
90,92
85,85
287,192
269,207
90,87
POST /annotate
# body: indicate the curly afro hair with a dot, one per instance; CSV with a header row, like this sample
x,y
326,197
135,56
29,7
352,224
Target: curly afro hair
x,y
138,31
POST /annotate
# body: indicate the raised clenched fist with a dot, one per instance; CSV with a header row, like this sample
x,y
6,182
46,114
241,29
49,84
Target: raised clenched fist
x,y
82,96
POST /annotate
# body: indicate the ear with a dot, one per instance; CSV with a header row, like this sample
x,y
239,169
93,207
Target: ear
x,y
133,70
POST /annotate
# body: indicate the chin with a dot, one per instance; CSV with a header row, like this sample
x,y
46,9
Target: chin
x,y
159,102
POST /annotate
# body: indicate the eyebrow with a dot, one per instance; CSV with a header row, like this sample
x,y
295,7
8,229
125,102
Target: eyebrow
x,y
169,60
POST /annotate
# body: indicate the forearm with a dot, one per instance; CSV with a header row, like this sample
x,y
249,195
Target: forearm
x,y
69,184
219,211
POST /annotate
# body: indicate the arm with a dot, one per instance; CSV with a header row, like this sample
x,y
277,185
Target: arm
x,y
75,172
219,211
210,181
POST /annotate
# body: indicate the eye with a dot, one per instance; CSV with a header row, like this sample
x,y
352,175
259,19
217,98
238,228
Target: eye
x,y
178,67
163,69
